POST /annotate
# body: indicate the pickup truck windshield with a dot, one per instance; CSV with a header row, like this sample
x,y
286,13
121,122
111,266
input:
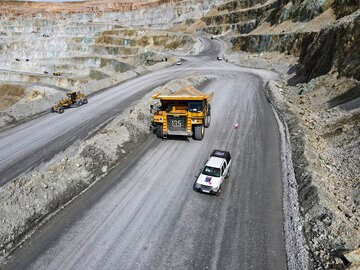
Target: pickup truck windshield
x,y
211,171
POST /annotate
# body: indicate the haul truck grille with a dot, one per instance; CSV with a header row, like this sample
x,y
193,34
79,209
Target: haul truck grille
x,y
176,122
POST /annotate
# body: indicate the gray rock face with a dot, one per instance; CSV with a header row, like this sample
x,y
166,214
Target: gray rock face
x,y
335,47
324,225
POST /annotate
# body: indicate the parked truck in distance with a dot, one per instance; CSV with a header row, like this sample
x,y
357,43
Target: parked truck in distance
x,y
186,112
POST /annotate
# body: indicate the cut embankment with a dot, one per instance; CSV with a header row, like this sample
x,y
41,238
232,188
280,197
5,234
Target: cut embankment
x,y
312,185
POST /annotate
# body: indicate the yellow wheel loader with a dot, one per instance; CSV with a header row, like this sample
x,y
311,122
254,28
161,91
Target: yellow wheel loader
x,y
73,99
186,112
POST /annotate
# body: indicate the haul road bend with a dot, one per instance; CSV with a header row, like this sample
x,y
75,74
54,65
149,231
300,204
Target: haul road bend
x,y
144,214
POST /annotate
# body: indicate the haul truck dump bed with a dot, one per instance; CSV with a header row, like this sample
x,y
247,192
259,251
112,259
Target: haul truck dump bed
x,y
186,112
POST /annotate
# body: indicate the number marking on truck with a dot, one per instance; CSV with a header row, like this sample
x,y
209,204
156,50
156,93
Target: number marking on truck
x,y
176,123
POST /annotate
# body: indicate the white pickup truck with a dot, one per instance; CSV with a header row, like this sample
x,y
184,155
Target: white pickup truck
x,y
216,169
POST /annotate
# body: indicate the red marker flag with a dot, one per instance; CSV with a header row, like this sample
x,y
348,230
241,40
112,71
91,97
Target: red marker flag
x,y
231,133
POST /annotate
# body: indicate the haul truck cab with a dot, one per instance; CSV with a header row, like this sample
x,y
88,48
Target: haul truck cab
x,y
186,112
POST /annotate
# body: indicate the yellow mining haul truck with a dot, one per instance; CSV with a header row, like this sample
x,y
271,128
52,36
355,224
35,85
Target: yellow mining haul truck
x,y
186,112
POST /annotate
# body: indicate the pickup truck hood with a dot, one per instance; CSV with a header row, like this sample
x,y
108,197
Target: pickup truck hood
x,y
208,180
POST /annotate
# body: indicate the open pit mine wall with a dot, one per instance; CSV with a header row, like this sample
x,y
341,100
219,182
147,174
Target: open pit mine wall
x,y
159,14
91,6
334,48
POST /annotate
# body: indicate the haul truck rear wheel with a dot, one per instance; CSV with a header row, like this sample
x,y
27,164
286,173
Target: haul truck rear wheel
x,y
199,131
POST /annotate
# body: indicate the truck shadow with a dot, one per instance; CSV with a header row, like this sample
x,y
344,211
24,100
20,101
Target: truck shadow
x,y
175,137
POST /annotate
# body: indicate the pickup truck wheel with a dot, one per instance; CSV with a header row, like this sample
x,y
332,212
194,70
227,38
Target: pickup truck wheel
x,y
199,131
52,109
219,192
80,102
85,101
207,121
159,131
60,110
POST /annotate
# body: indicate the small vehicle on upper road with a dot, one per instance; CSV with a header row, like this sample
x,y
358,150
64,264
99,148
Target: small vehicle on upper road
x,y
74,99
216,169
179,63
219,58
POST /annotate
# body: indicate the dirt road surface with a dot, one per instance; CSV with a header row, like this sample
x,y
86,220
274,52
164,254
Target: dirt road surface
x,y
145,214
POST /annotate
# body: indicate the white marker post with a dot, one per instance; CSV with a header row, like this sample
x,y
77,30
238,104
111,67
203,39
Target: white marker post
x,y
232,131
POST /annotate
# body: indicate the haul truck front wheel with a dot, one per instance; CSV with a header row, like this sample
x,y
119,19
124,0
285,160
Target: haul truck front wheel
x,y
199,131
207,121
159,131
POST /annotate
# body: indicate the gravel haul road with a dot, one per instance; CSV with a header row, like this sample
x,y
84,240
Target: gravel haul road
x,y
144,214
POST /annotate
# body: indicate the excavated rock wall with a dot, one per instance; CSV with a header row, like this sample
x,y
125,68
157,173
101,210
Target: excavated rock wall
x,y
51,9
301,10
237,16
88,55
326,176
235,5
91,50
335,48
290,43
